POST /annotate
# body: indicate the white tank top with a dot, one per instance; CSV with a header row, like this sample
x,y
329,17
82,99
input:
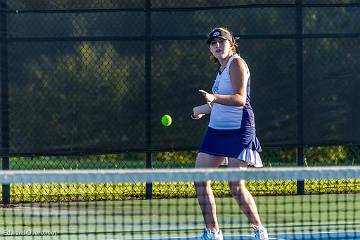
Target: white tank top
x,y
223,116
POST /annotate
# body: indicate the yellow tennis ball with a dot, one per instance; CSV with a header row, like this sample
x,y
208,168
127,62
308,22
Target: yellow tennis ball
x,y
166,120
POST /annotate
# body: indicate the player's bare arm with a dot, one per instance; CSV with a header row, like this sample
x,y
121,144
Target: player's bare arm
x,y
238,77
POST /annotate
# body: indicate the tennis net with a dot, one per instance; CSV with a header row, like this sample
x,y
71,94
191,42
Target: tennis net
x,y
111,204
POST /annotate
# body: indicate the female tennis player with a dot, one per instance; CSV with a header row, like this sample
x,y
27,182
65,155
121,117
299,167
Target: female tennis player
x,y
231,134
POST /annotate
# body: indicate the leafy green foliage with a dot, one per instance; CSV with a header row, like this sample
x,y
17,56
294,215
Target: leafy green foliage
x,y
113,191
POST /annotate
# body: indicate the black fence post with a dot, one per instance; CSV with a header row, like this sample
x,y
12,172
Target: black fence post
x,y
299,77
4,101
148,92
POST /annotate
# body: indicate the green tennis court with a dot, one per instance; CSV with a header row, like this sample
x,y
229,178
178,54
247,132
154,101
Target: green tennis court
x,y
179,218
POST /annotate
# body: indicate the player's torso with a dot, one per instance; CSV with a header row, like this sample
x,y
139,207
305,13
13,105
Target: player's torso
x,y
230,117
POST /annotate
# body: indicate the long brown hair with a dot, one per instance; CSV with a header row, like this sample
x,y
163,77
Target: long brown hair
x,y
234,47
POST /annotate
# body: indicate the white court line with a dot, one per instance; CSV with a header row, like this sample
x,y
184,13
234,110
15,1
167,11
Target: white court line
x,y
278,236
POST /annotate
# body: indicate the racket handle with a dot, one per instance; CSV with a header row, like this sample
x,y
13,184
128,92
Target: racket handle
x,y
202,109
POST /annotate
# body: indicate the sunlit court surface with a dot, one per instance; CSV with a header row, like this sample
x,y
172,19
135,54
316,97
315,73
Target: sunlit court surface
x,y
106,105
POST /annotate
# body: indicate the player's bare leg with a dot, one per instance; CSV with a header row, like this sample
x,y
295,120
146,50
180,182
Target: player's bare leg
x,y
246,201
204,192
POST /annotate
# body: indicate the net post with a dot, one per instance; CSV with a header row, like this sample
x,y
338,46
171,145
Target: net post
x,y
4,100
148,184
299,71
300,162
5,188
148,92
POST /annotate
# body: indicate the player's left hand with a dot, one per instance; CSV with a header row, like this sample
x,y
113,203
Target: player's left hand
x,y
208,96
